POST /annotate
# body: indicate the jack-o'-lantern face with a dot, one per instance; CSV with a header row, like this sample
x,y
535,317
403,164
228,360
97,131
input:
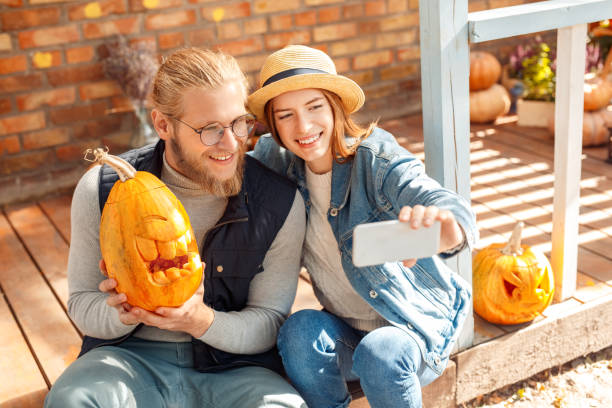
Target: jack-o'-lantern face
x,y
148,245
511,288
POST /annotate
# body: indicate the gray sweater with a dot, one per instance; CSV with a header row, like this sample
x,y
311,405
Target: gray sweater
x,y
249,331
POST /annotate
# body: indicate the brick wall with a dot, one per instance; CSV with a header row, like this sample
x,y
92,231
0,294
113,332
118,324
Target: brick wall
x,y
55,100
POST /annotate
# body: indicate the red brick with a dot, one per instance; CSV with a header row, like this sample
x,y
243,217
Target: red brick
x,y
399,72
75,74
45,138
229,31
170,40
121,103
320,2
395,38
352,11
276,41
400,21
335,32
96,90
252,63
106,7
329,15
227,12
26,162
362,78
124,26
161,21
255,26
18,20
342,64
409,53
5,42
375,8
20,82
272,6
306,18
79,54
98,128
480,5
43,60
12,3
248,46
71,114
48,36
5,106
204,36
369,27
54,97
282,22
372,59
351,46
141,5
13,64
398,6
76,151
22,123
9,145
380,91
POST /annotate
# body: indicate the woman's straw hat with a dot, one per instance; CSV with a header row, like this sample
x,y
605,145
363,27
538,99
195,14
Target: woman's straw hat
x,y
300,67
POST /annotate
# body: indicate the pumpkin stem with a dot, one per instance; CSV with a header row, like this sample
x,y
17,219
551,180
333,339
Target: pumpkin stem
x,y
513,247
100,156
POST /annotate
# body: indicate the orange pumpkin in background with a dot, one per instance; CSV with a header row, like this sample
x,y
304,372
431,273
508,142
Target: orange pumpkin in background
x,y
511,282
488,104
146,239
485,70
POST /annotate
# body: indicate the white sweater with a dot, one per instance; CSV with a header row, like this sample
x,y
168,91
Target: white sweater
x,y
323,262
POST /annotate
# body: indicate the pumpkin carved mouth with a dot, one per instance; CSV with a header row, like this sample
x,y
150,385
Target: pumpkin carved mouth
x,y
168,261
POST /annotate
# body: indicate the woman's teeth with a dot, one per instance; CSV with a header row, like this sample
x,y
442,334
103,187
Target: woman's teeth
x,y
309,140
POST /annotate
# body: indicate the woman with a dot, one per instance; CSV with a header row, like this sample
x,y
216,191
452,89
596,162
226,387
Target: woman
x,y
391,326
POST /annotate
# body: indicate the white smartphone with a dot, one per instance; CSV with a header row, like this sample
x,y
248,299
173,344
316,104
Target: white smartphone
x,y
388,241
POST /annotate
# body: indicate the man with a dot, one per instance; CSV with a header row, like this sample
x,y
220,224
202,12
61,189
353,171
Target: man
x,y
249,224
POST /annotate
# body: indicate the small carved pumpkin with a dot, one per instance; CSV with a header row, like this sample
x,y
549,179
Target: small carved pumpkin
x,y
488,104
485,70
146,239
511,282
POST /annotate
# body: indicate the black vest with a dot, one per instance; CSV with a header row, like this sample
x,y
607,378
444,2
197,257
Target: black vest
x,y
239,243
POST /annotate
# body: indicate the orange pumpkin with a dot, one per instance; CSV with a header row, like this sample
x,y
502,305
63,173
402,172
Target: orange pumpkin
x,y
594,127
488,104
146,239
511,282
597,92
485,70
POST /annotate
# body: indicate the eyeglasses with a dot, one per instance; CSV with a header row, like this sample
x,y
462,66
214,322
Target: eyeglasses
x,y
211,134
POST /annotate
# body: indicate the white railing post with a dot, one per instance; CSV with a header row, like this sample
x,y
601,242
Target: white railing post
x,y
446,115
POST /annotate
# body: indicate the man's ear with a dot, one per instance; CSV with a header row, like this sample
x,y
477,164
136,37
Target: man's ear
x,y
162,124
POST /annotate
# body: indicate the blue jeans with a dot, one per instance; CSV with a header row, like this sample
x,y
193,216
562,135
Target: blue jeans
x,y
321,353
148,374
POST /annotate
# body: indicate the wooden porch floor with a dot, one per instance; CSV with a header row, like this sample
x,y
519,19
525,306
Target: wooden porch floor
x,y
511,173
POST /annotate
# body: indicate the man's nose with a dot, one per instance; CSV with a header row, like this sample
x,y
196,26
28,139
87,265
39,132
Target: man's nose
x,y
229,140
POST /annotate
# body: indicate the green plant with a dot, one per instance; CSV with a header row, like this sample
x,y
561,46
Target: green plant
x,y
539,75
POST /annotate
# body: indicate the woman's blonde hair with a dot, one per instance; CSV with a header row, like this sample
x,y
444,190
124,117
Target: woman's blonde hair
x,y
344,127
192,68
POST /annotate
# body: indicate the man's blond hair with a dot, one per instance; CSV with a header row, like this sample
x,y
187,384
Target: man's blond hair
x,y
193,68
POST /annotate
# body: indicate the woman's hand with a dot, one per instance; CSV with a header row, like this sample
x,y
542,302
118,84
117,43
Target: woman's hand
x,y
420,216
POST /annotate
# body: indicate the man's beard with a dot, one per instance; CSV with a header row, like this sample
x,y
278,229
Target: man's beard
x,y
194,168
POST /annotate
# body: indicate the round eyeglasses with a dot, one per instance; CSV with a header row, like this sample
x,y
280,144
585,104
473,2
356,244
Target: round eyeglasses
x,y
212,133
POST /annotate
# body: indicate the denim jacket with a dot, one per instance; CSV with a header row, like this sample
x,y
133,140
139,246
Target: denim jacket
x,y
429,301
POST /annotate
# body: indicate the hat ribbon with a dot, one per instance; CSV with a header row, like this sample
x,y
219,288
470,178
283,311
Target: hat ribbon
x,y
291,72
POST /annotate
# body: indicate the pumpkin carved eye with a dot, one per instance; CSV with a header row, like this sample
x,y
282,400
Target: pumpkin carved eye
x,y
146,239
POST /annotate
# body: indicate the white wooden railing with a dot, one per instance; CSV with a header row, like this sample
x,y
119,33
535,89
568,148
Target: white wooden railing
x,y
446,29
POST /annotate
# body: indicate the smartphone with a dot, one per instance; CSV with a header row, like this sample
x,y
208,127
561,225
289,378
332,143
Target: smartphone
x,y
389,241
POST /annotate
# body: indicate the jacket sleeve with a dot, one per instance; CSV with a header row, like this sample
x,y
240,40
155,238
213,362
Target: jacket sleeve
x,y
271,154
86,303
401,181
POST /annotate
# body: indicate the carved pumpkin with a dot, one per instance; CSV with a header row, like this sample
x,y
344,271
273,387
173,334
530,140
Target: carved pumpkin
x,y
488,104
146,239
511,282
485,70
594,127
597,92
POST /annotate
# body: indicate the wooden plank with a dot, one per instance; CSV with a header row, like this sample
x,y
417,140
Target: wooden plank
x,y
58,210
506,22
45,244
445,101
23,386
50,333
568,147
542,345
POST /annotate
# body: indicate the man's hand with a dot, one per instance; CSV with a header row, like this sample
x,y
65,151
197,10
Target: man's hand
x,y
116,300
420,216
